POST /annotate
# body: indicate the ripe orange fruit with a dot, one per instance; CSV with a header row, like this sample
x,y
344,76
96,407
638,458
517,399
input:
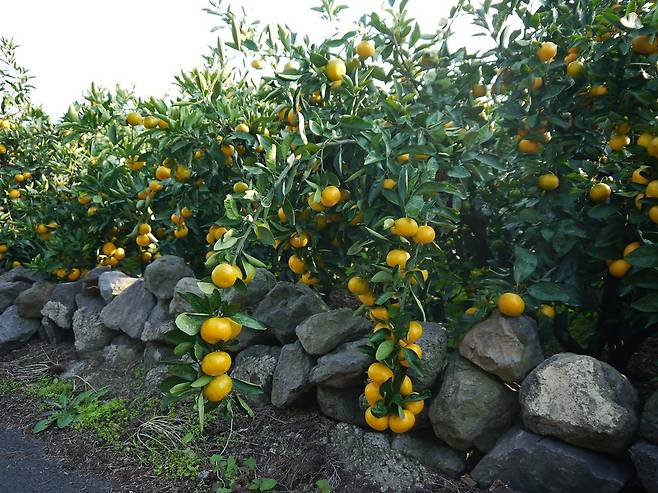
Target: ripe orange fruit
x,y
618,142
511,304
119,254
143,240
643,45
537,83
415,407
424,235
402,358
108,248
133,119
415,332
548,181
397,258
299,240
74,275
389,184
372,393
644,140
600,192
377,424
406,387
367,299
296,264
403,424
224,275
547,311
547,51
181,231
218,388
651,191
378,313
242,127
308,279
162,173
240,187
618,268
527,146
653,213
151,122
335,69
216,363
330,196
405,226
19,178
4,248
365,49
575,68
598,90
379,373
143,229
14,193
186,212
216,329
638,177
282,215
358,285
631,247
316,206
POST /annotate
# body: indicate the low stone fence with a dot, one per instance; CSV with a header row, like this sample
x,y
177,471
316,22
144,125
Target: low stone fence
x,y
499,411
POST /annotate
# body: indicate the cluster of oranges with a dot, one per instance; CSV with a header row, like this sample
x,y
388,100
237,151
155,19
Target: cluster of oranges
x,y
3,250
215,364
178,218
134,119
110,255
146,242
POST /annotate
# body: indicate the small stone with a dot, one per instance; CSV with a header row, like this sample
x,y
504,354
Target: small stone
x,y
431,453
15,331
90,279
322,332
112,283
291,376
649,420
645,459
341,404
344,367
62,305
123,351
161,276
10,290
256,365
260,285
154,377
31,301
179,304
129,310
90,332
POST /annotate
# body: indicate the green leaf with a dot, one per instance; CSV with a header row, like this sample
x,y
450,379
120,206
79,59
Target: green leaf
x,y
548,291
180,388
201,381
248,321
246,387
648,303
384,350
190,323
644,256
43,424
525,264
183,348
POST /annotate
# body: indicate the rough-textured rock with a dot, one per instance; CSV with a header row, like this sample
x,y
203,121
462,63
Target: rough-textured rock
x,y
645,459
344,367
89,301
90,279
161,276
178,304
156,354
90,332
508,347
22,274
112,283
158,323
15,331
256,364
62,305
341,404
9,291
31,301
154,377
260,285
536,464
324,331
250,337
434,343
291,376
123,350
472,407
128,311
286,306
649,421
582,401
369,455
49,331
431,453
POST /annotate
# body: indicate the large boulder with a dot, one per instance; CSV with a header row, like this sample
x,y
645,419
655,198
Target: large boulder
x,y
324,331
536,464
431,453
256,364
112,283
645,459
369,455
161,276
582,401
434,343
508,347
291,376
62,305
649,421
31,301
179,304
128,311
158,323
90,279
262,283
15,331
341,404
344,367
472,407
89,301
10,290
90,332
22,274
286,306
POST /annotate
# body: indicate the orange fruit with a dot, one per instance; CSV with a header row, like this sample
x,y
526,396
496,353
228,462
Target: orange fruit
x,y
335,69
372,393
406,387
330,196
638,177
600,192
598,90
511,304
618,142
14,193
389,184
527,146
402,358
547,311
108,248
240,187
134,119
308,279
299,240
471,310
365,49
415,407
644,140
186,212
548,181
367,299
653,213
537,83
143,229
643,45
224,275
631,247
377,424
402,424
358,285
143,240
618,268
379,373
478,90
296,264
216,363
242,127
215,329
424,235
397,258
405,226
575,68
415,332
378,313
162,173
218,388
651,191
151,122
547,51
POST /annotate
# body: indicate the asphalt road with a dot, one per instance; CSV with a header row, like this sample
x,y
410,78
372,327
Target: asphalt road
x,y
24,468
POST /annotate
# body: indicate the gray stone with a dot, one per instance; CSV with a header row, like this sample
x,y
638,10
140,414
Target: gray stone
x,y
154,377
90,332
89,301
62,305
256,364
472,408
10,290
15,331
344,367
291,376
158,323
645,459
508,347
178,304
324,331
260,285
369,455
112,283
536,464
31,301
341,404
431,453
49,331
582,401
22,274
161,276
123,350
156,354
90,279
434,343
129,310
286,306
250,337
649,420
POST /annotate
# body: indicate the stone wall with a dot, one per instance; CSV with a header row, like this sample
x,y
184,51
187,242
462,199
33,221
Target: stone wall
x,y
569,423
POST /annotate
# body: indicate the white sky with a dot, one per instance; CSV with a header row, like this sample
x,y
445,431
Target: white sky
x,y
67,44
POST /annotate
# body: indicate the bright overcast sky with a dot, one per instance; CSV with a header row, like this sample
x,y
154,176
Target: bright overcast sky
x,y
143,43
